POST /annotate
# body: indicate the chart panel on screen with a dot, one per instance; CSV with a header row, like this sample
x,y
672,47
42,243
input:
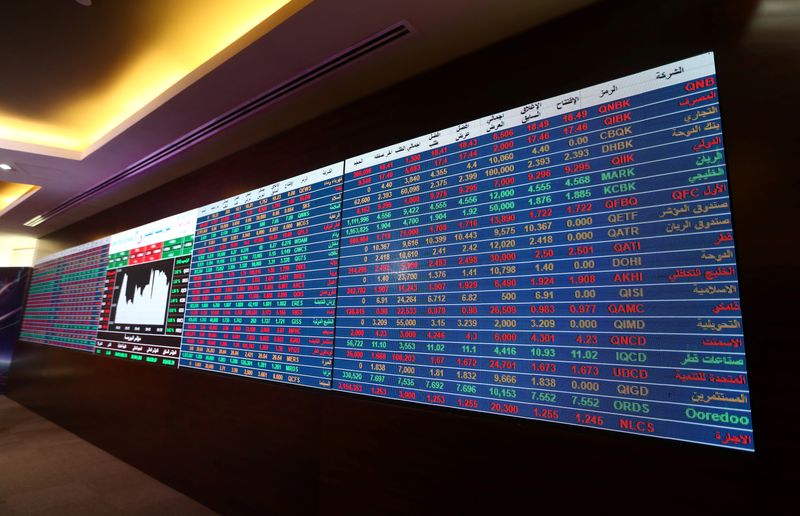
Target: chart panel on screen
x,y
145,291
262,292
63,305
571,260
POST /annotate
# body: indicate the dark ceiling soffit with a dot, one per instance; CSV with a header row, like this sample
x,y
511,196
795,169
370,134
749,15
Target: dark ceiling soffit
x,y
365,47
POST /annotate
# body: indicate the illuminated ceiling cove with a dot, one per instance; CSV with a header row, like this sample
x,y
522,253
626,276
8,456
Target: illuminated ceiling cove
x,y
142,53
12,194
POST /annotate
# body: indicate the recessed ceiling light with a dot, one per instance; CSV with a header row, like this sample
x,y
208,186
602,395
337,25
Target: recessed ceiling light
x,y
5,166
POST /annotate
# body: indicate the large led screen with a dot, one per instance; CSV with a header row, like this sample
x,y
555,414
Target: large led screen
x,y
145,291
570,260
262,292
63,305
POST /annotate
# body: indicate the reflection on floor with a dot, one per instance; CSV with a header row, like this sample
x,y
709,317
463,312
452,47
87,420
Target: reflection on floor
x,y
45,469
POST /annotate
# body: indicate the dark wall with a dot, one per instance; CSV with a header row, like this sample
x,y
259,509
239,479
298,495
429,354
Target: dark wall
x,y
13,291
246,446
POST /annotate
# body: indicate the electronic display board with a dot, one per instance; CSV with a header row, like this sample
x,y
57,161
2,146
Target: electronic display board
x,y
63,304
145,291
571,260
262,291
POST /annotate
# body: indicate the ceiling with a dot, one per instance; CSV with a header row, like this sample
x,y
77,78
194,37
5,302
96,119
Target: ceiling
x,y
90,91
109,65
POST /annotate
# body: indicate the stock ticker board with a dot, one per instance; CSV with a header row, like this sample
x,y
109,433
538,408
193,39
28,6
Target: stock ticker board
x,y
63,304
571,260
145,291
262,292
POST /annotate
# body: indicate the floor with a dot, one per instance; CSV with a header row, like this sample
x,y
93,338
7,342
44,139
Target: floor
x,y
45,470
